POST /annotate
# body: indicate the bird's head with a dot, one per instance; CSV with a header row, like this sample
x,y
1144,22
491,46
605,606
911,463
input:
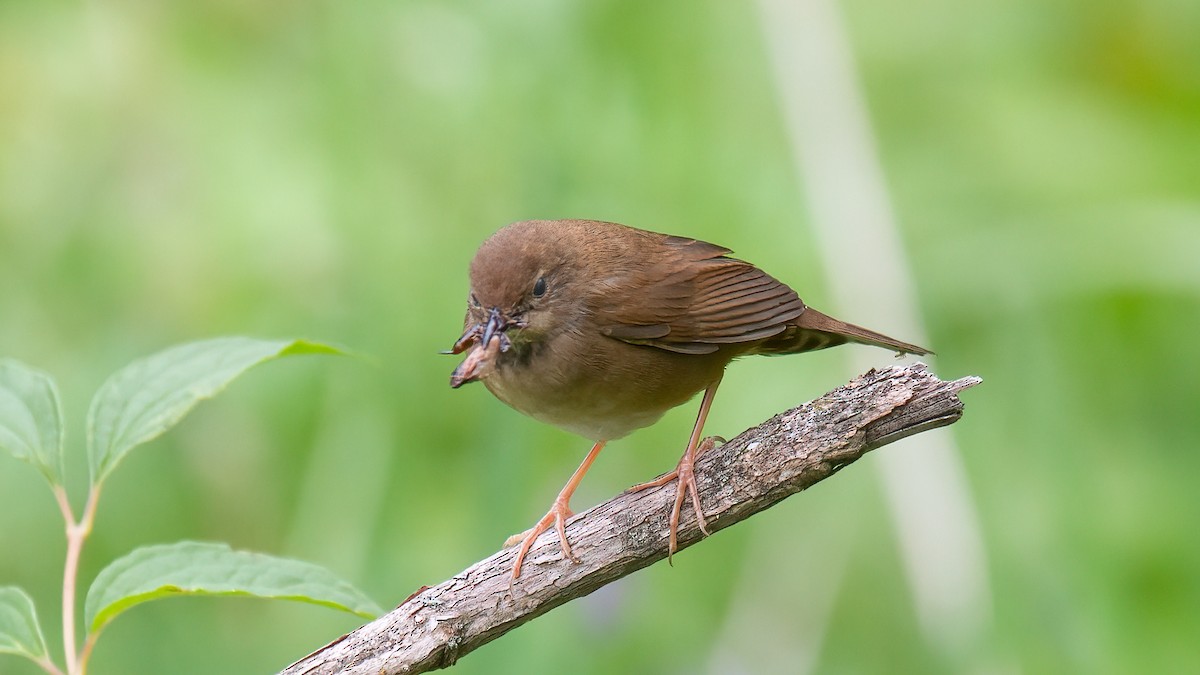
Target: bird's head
x,y
521,295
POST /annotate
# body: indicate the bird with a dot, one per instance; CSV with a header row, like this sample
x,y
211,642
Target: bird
x,y
600,328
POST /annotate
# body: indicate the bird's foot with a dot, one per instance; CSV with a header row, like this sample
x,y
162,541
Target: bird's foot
x,y
686,474
557,515
706,444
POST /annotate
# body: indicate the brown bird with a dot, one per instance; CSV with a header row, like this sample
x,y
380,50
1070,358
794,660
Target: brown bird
x,y
599,329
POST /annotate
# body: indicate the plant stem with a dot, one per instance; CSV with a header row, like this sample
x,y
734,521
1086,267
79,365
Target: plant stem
x,y
88,643
77,532
48,666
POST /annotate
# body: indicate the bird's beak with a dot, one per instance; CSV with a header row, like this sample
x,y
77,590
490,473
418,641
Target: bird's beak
x,y
479,333
488,340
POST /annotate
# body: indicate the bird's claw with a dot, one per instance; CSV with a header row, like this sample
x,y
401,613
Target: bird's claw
x,y
685,473
557,515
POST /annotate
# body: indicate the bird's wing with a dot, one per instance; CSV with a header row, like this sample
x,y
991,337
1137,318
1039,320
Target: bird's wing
x,y
693,298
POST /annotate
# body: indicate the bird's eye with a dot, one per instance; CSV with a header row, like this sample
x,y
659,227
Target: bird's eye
x,y
475,301
539,288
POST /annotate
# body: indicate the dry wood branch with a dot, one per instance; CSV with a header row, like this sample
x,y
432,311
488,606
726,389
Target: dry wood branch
x,y
752,472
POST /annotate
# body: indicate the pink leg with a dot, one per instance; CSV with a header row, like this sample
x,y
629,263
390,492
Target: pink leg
x,y
685,472
558,513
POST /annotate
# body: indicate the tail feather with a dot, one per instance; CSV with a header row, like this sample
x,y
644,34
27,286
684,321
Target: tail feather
x,y
813,330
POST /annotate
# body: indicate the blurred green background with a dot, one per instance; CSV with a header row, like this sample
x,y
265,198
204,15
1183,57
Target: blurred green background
x,y
172,171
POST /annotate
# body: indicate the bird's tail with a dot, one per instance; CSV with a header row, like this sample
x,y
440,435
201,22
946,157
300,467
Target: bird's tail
x,y
813,330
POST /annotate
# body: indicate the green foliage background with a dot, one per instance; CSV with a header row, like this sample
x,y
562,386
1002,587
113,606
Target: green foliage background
x,y
171,171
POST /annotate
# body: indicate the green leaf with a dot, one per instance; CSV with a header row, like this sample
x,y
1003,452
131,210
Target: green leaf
x,y
19,630
195,568
31,418
149,396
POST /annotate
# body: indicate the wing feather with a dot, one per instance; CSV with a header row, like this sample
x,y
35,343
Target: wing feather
x,y
691,298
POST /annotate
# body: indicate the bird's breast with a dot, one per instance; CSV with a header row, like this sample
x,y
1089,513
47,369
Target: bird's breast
x,y
599,388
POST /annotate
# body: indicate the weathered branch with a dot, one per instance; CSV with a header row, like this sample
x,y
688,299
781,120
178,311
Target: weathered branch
x,y
785,454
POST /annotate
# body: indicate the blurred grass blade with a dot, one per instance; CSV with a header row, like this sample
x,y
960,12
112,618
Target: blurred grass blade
x,y
19,630
150,395
31,418
196,568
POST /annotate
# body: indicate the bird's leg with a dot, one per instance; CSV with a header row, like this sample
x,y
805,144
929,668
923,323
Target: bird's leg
x,y
707,443
685,472
558,514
